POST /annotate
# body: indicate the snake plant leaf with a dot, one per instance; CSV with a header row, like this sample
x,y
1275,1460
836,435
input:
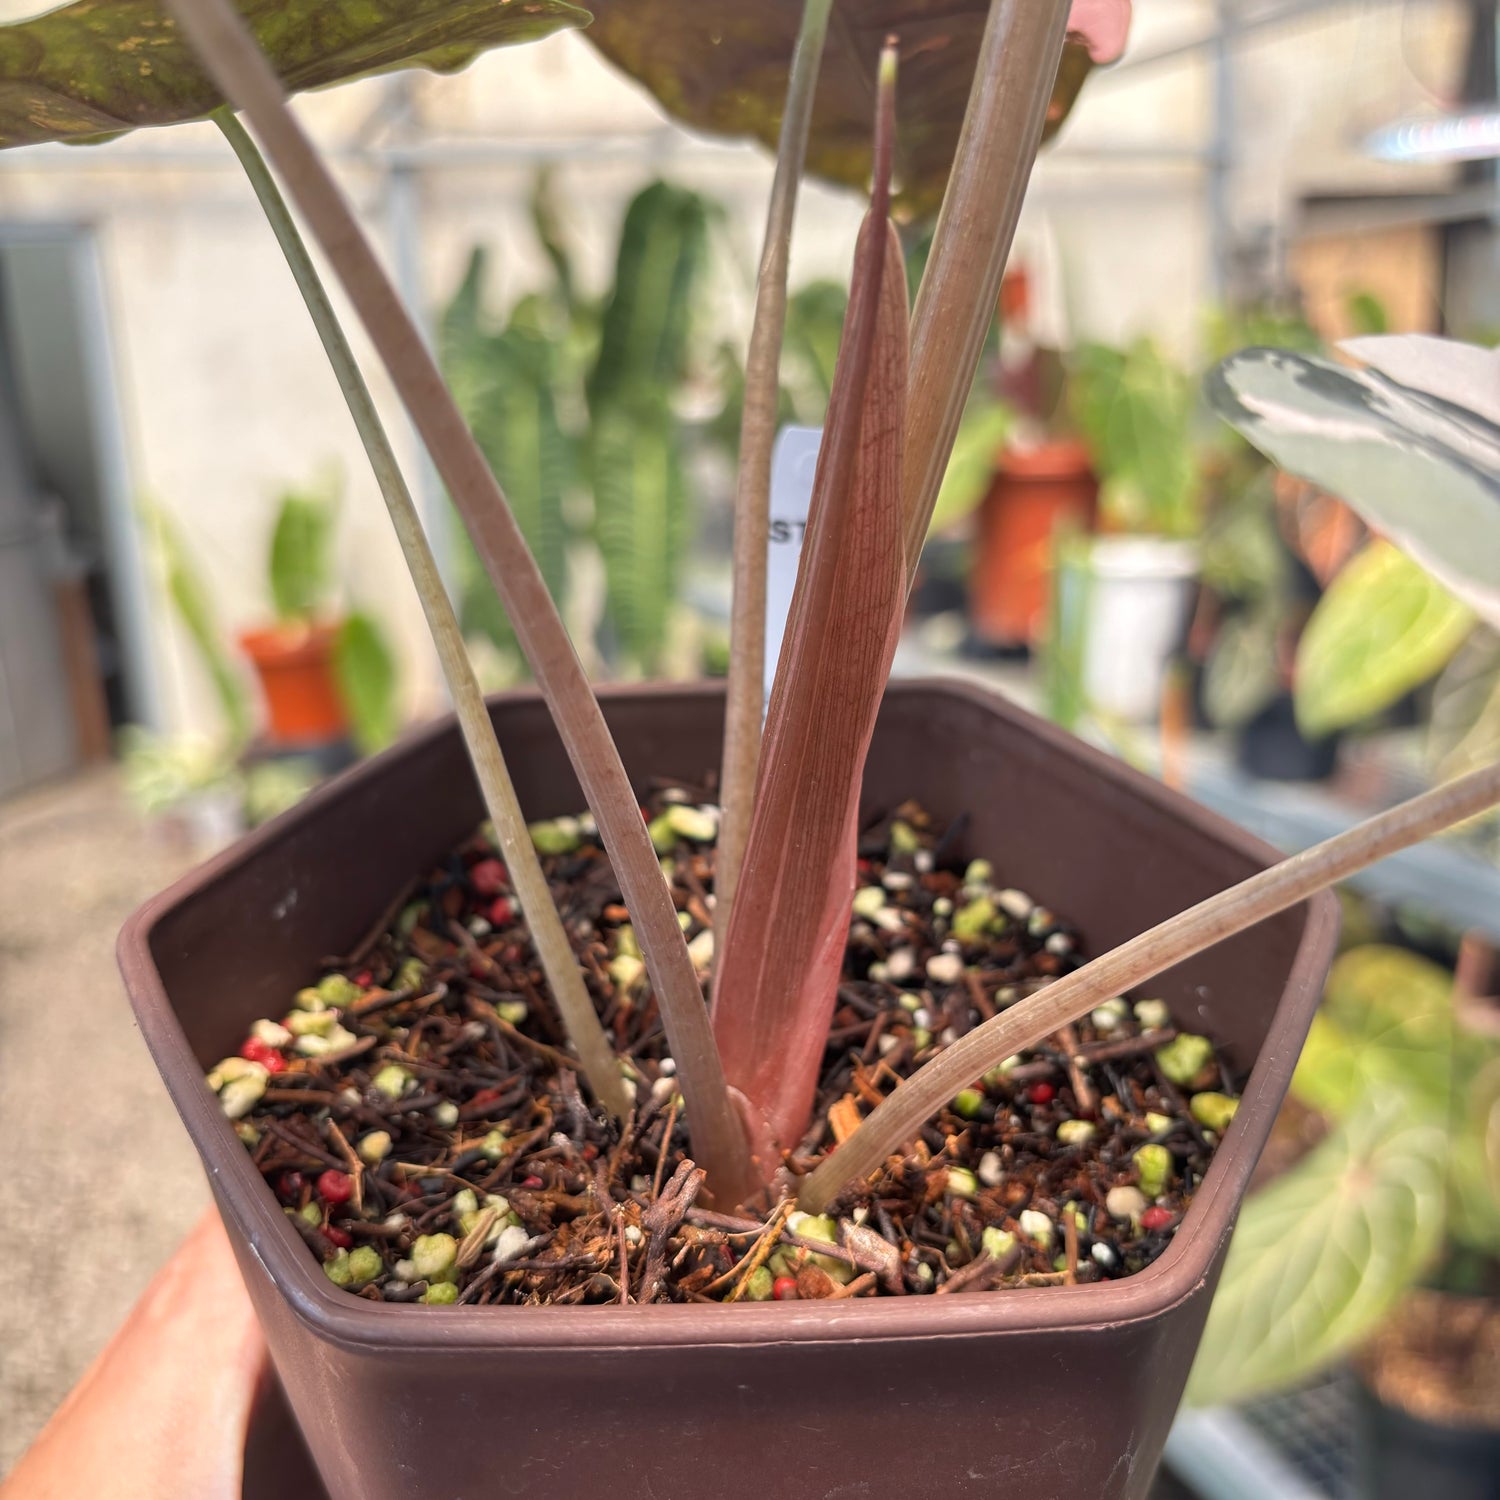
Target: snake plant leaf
x,y
641,518
644,340
1384,626
96,68
1322,1254
1419,467
301,562
365,670
721,66
505,384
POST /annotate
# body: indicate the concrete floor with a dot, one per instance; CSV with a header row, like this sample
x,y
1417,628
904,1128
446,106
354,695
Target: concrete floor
x,y
101,1182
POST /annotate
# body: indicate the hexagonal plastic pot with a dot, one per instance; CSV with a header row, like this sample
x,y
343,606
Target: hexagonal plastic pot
x,y
1046,1393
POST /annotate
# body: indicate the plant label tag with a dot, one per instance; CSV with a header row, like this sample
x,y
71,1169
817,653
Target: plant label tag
x,y
793,464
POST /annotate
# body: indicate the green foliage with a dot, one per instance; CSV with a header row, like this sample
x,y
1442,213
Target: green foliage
x,y
641,519
190,597
505,384
644,335
1067,628
1240,676
1383,627
1367,314
161,772
1386,1025
1464,727
971,467
365,670
301,559
1137,412
98,67
574,394
1322,1254
1412,443
814,325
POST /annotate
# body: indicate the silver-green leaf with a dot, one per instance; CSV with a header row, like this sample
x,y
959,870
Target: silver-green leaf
x,y
1323,1252
1419,468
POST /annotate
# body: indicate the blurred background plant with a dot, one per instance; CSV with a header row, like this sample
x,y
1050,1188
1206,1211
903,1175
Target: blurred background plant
x,y
579,405
327,677
1388,1182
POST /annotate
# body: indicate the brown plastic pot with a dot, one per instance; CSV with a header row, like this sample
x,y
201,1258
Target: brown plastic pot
x,y
294,664
1035,491
1052,1392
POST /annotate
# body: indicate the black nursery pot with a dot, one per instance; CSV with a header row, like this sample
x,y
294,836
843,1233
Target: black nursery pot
x,y
1271,747
1046,1392
1398,1455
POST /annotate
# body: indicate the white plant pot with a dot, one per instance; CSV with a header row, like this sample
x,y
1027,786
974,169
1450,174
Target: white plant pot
x,y
1140,591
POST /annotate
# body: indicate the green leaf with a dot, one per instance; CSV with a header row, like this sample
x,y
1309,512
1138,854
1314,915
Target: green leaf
x,y
1240,677
1367,313
641,518
814,322
1463,730
1322,1254
644,339
1419,461
191,599
98,67
1136,409
1330,1076
506,386
1386,1024
721,66
365,671
301,562
971,467
1384,626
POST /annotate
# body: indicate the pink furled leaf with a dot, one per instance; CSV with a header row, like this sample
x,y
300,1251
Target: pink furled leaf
x,y
1103,26
783,950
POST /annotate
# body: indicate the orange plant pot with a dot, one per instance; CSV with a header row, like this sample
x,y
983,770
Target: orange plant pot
x,y
1035,491
294,664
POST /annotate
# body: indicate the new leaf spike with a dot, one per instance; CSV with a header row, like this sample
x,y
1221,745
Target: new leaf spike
x,y
785,942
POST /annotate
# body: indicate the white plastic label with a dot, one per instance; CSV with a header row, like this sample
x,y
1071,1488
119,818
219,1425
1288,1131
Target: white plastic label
x,y
793,464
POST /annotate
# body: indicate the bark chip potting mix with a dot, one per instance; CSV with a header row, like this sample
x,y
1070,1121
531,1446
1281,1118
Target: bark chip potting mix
x,y
418,1117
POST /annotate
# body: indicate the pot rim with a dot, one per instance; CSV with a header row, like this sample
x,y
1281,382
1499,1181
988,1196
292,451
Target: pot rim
x,y
354,1323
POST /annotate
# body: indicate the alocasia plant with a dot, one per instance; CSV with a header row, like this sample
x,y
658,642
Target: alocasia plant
x,y
868,498
798,877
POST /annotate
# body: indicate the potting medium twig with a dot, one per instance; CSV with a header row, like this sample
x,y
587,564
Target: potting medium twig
x,y
745,688
1002,129
229,52
498,791
902,1114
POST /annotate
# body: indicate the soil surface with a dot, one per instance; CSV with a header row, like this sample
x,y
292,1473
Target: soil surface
x,y
417,1115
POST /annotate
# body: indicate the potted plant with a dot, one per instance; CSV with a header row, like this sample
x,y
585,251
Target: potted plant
x,y
214,786
1031,478
1403,1065
1138,413
322,673
396,1399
